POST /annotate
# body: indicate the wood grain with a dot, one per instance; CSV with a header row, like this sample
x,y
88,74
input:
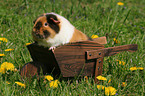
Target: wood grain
x,y
79,58
100,40
98,68
72,60
110,51
45,57
29,70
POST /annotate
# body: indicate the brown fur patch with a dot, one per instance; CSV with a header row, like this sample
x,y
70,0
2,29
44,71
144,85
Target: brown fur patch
x,y
78,36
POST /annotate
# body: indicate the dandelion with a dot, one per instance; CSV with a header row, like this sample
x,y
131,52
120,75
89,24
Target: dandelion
x,y
21,84
54,84
86,79
4,39
2,55
136,68
109,81
15,70
140,68
123,84
116,41
94,36
2,70
28,43
121,62
7,82
100,87
7,66
9,49
133,68
48,77
120,3
110,90
101,78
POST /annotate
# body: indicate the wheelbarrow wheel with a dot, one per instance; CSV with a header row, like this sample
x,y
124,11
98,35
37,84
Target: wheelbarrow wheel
x,y
30,69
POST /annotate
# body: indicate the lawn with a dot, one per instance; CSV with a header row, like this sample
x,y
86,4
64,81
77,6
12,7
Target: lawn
x,y
125,23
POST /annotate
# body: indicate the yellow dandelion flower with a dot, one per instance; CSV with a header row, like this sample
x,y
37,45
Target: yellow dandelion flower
x,y
101,78
109,81
0,42
8,66
4,39
54,84
120,3
9,49
2,70
21,84
86,78
140,68
94,36
100,87
48,77
110,90
15,70
121,62
116,41
28,43
7,82
123,84
2,55
133,68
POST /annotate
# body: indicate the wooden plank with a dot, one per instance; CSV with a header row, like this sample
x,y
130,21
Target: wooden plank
x,y
98,68
72,60
45,57
100,40
110,51
76,69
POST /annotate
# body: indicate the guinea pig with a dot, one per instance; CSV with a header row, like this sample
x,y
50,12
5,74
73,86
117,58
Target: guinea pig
x,y
52,30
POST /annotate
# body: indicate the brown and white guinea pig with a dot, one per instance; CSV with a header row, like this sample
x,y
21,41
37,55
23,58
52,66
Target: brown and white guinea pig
x,y
52,30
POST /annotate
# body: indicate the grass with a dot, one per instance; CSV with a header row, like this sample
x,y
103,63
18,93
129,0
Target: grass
x,y
101,17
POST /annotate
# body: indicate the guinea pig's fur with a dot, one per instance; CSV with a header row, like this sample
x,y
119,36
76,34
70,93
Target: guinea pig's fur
x,y
51,30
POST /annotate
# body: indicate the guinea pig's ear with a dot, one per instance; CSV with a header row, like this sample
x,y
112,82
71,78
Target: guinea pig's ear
x,y
55,21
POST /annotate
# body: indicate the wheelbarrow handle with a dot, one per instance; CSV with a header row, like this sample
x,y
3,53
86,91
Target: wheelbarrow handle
x,y
93,54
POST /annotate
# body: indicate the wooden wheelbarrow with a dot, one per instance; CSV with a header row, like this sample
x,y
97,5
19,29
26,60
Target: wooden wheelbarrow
x,y
83,58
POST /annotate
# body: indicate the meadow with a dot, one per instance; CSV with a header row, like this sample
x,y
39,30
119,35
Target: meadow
x,y
122,24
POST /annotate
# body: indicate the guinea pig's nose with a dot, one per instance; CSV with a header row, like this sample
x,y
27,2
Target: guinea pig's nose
x,y
36,33
46,33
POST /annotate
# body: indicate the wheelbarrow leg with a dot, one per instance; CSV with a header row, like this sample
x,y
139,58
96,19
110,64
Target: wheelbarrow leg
x,y
98,69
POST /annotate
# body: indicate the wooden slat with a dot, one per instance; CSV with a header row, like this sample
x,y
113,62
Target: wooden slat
x,y
100,40
98,67
71,58
110,51
45,57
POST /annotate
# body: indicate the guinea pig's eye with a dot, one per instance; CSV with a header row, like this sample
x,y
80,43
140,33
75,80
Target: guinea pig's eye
x,y
46,24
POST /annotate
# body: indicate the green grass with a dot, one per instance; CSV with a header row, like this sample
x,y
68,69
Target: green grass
x,y
100,17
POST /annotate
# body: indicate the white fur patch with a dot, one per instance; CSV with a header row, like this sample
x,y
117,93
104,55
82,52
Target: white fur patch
x,y
64,36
